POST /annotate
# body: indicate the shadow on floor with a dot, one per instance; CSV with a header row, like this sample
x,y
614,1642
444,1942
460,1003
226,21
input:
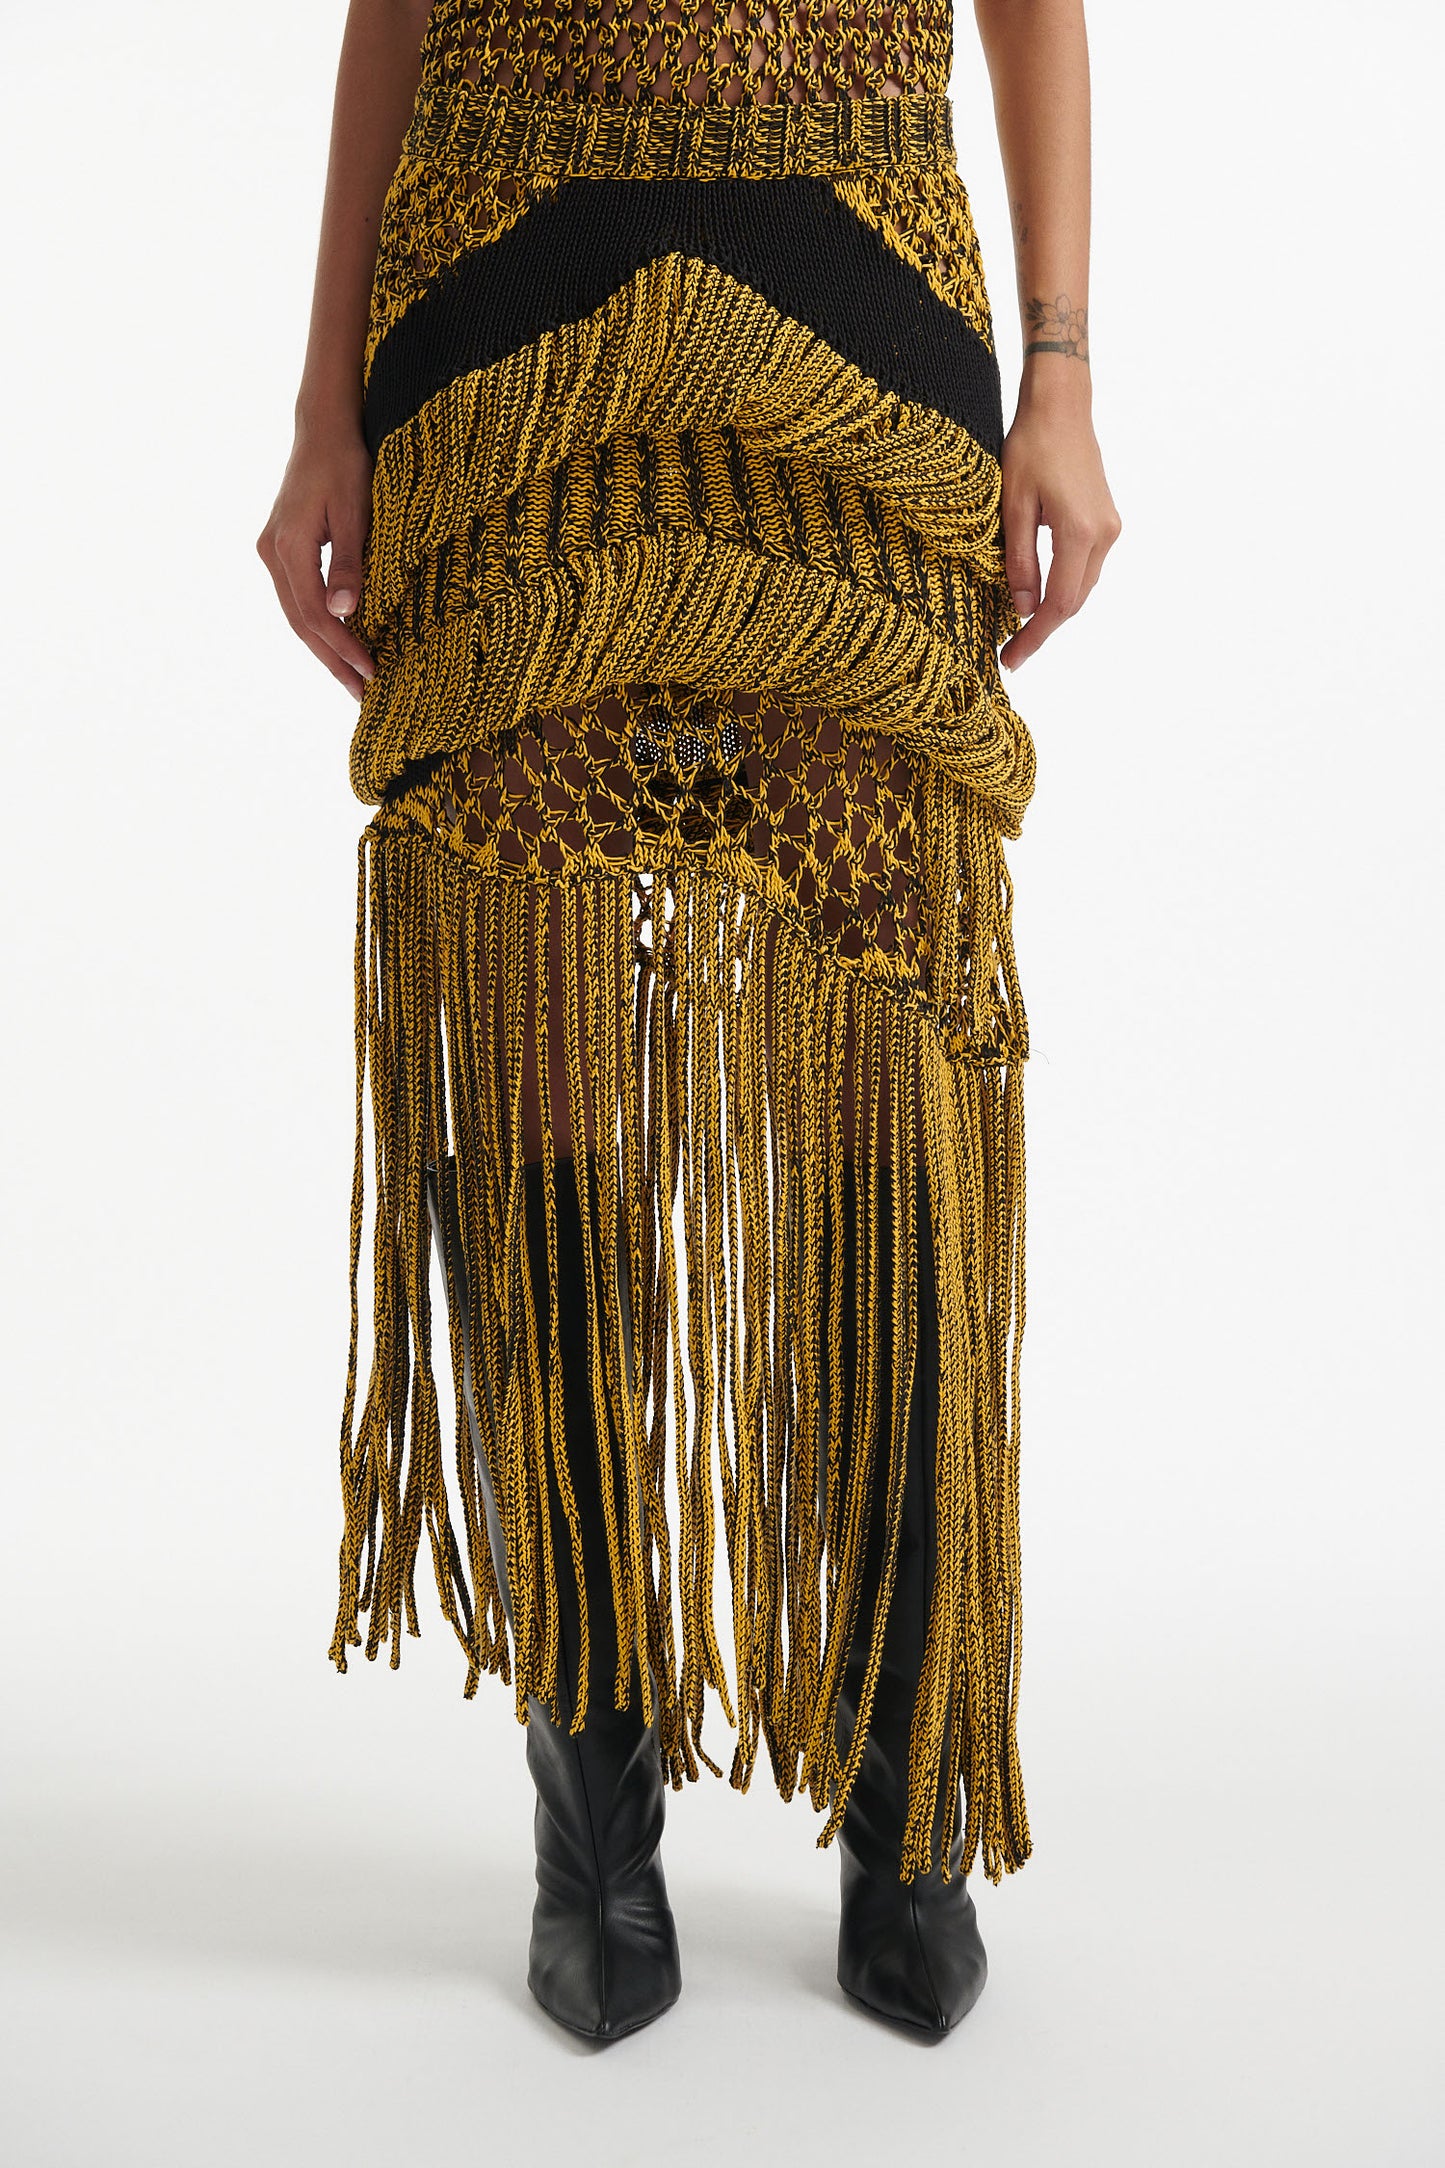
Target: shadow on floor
x,y
199,1883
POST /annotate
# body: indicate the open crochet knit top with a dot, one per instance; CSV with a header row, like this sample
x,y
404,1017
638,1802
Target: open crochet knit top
x,y
717,52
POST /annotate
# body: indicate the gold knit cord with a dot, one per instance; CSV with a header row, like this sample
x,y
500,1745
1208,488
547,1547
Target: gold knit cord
x,y
692,768
567,947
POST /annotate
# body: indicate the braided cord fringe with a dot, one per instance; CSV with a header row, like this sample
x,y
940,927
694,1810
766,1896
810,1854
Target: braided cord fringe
x,y
715,1055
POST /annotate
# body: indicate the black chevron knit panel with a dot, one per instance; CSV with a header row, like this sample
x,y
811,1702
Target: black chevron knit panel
x,y
791,240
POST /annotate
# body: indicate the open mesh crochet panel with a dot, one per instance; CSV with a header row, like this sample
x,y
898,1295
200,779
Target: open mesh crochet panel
x,y
707,52
704,773
692,764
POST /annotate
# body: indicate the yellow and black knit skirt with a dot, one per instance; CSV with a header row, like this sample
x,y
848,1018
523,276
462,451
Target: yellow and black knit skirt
x,y
691,765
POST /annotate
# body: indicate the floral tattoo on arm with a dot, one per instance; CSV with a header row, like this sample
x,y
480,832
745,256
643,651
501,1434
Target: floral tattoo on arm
x,y
1058,328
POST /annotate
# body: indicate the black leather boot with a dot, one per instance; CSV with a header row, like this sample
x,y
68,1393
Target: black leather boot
x,y
910,1952
604,1957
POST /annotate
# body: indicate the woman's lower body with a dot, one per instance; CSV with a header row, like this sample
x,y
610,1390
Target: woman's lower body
x,y
687,1004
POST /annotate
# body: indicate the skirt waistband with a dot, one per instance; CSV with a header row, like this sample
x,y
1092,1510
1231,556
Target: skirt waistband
x,y
456,123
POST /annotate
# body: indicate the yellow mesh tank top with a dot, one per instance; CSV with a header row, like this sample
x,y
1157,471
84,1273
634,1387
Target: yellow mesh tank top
x,y
707,53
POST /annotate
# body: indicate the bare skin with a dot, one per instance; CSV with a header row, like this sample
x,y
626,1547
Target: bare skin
x,y
1053,476
325,493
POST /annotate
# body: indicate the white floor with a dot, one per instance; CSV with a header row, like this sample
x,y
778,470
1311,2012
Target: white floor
x,y
319,1958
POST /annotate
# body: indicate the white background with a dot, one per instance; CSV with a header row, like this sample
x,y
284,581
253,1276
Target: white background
x,y
259,1912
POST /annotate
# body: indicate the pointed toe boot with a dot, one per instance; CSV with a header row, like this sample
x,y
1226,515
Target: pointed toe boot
x,y
909,1952
603,1959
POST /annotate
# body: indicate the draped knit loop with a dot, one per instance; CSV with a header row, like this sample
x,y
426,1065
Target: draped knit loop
x,y
692,765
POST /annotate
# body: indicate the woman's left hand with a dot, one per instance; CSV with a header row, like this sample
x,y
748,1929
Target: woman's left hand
x,y
1053,476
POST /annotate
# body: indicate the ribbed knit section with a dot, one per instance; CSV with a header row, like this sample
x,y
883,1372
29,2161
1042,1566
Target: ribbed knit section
x,y
703,482
652,141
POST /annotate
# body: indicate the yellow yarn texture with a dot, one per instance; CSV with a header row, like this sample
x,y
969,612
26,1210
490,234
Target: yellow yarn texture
x,y
691,768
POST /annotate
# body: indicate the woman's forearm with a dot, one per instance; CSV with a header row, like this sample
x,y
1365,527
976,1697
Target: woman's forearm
x,y
1038,63
376,81
325,494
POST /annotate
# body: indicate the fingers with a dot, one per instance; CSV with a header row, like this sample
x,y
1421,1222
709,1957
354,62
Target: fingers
x,y
280,551
343,574
294,561
303,567
342,672
1061,597
1021,512
1080,548
1091,572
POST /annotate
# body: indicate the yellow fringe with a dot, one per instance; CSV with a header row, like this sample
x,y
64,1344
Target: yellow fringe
x,y
717,1071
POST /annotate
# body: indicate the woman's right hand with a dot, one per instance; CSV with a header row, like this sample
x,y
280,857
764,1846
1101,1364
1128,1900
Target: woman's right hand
x,y
325,496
